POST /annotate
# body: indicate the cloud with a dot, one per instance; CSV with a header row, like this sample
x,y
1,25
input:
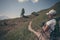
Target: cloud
x,y
23,0
34,1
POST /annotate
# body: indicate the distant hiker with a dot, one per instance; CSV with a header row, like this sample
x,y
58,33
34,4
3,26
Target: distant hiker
x,y
47,29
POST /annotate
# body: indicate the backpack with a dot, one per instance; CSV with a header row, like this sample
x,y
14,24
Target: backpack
x,y
56,32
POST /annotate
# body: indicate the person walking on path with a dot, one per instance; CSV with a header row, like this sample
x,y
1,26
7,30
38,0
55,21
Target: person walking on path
x,y
48,27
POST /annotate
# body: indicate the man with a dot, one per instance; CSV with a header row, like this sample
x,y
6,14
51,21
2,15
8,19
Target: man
x,y
46,30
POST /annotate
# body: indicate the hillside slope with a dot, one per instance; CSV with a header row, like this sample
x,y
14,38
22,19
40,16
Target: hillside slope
x,y
17,29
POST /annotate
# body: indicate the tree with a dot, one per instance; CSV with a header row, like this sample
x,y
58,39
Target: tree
x,y
22,12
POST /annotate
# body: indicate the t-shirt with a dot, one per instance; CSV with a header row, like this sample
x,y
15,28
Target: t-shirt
x,y
51,24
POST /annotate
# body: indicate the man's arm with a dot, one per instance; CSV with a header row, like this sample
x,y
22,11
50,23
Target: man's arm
x,y
45,28
30,29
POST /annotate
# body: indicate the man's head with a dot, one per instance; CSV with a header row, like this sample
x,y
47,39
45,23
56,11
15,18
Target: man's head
x,y
51,13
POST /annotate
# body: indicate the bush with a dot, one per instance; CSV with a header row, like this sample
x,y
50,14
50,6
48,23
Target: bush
x,y
34,13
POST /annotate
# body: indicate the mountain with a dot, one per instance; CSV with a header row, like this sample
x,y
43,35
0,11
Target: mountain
x,y
17,29
3,17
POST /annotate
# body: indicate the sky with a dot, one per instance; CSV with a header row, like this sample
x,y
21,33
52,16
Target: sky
x,y
12,8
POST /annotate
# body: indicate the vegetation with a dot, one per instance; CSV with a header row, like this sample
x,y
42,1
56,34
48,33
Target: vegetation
x,y
22,12
35,13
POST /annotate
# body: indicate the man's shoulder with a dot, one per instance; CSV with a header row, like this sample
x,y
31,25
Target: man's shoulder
x,y
52,20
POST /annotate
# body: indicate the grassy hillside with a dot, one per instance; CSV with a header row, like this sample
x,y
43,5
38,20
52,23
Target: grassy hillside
x,y
17,29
